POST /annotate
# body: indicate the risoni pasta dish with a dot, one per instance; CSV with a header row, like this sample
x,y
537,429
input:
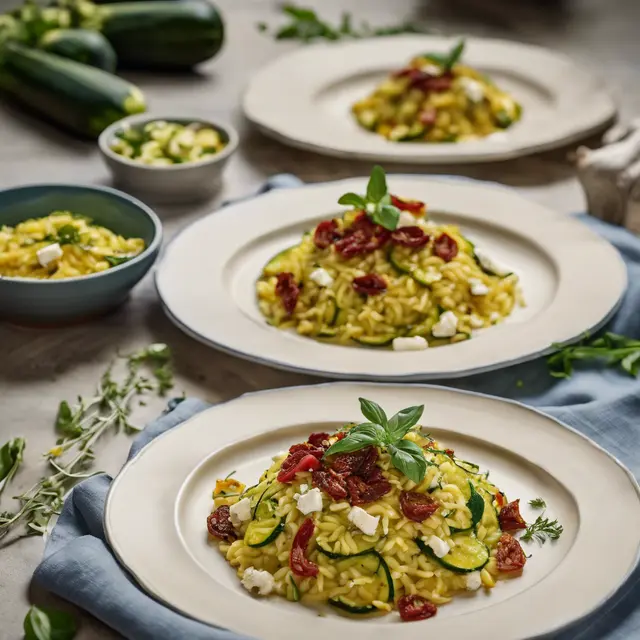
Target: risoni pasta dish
x,y
437,99
375,517
62,245
383,274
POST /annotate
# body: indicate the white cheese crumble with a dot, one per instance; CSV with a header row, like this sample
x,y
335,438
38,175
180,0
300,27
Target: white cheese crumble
x,y
256,579
473,89
240,512
438,546
431,69
447,325
495,317
473,581
415,343
490,264
432,276
477,287
361,519
49,254
406,219
310,501
321,277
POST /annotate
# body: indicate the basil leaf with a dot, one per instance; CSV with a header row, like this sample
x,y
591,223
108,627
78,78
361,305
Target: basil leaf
x,y
48,624
372,429
11,457
475,504
454,55
373,411
114,261
353,199
300,13
408,458
64,421
387,216
68,234
351,442
377,187
401,422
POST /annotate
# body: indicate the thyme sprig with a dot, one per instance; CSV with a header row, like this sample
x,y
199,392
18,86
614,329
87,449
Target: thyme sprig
x,y
81,425
542,529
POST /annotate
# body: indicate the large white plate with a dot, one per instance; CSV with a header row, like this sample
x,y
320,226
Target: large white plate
x,y
156,511
304,98
572,279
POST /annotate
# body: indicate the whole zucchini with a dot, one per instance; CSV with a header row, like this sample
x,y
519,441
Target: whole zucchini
x,y
81,45
81,99
163,34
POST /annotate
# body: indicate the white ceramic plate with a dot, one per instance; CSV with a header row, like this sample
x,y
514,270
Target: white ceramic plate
x,y
156,512
304,98
572,279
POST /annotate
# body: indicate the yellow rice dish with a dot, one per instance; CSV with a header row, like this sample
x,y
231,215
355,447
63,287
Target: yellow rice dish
x,y
436,99
352,281
364,530
62,245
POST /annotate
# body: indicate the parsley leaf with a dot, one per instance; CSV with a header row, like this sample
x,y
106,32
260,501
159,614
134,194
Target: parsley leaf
x,y
537,503
68,234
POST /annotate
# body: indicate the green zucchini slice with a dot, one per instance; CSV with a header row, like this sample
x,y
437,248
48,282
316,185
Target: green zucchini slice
x,y
276,264
399,262
376,341
468,555
266,525
342,604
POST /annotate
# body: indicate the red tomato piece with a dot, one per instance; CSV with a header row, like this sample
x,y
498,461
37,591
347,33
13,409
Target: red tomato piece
x,y
326,234
296,463
510,557
417,506
354,463
415,607
288,291
318,452
333,484
298,561
319,439
412,206
219,524
362,237
428,116
449,452
370,285
500,499
362,491
445,247
510,518
413,237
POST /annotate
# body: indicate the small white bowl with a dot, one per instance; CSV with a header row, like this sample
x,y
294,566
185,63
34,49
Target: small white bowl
x,y
187,182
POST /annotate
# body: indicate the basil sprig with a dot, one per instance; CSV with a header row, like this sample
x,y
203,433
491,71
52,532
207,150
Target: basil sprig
x,y
376,202
10,460
449,59
387,433
48,624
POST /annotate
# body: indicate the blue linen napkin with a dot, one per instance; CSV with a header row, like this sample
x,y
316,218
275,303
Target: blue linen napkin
x,y
603,404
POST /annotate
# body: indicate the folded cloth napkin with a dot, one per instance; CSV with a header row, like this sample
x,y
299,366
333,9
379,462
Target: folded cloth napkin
x,y
602,404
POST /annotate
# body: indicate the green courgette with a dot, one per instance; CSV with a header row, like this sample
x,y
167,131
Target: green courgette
x,y
82,99
81,45
341,556
376,341
468,555
265,527
276,264
163,34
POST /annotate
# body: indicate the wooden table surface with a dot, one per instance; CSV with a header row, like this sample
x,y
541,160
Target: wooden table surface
x,y
38,368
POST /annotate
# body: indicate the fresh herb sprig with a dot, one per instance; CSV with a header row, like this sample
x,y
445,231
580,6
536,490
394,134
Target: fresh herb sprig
x,y
376,202
387,433
48,624
542,529
305,25
11,455
80,426
611,349
537,503
447,60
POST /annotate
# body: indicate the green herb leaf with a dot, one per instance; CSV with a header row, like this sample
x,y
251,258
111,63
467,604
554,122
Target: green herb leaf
x,y
402,422
449,59
48,624
538,503
377,186
353,199
114,261
352,442
541,530
68,234
372,429
373,412
65,422
11,455
387,216
408,458
295,589
475,505
299,13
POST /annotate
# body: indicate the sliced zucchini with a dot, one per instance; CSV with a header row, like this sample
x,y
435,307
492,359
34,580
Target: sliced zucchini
x,y
276,264
503,119
328,332
331,314
266,525
376,341
322,548
415,132
468,555
344,605
341,317
425,278
469,467
368,118
294,588
400,262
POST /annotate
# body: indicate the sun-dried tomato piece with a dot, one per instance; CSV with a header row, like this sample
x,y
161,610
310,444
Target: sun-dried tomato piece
x,y
436,84
307,447
326,234
445,247
412,206
362,492
219,524
510,518
413,237
417,506
375,475
500,499
333,484
319,439
370,285
415,607
288,291
353,463
298,561
428,116
295,463
449,452
361,237
509,557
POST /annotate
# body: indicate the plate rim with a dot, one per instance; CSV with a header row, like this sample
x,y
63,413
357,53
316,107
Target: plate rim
x,y
571,135
415,376
149,590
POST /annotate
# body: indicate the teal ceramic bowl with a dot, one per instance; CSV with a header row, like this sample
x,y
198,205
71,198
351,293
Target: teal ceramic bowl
x,y
37,302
